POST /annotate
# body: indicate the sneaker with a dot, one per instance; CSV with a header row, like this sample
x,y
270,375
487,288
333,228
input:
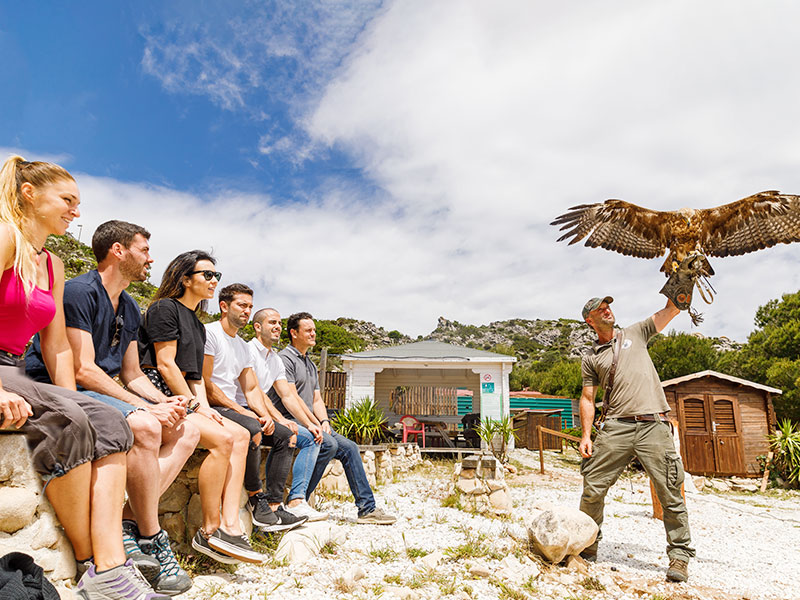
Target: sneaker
x,y
678,570
200,543
260,512
147,565
377,517
171,580
235,545
286,521
124,582
304,510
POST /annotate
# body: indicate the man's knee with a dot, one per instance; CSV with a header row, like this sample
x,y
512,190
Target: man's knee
x,y
346,447
329,447
146,429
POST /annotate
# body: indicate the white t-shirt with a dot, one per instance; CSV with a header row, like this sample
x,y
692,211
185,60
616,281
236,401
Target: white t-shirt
x,y
267,364
231,357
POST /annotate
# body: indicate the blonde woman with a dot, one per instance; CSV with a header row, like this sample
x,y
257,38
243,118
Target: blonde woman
x,y
77,444
171,346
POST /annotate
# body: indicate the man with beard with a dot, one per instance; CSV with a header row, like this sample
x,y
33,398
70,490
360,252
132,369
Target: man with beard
x,y
102,327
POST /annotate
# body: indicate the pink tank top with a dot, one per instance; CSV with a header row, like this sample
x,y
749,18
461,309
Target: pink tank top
x,y
21,317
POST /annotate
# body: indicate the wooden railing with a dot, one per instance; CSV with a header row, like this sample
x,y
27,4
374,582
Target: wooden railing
x,y
539,431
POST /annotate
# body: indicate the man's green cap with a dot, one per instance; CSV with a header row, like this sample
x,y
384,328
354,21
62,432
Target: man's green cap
x,y
593,304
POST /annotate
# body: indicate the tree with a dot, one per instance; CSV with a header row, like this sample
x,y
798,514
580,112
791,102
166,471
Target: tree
x,y
679,354
772,354
562,379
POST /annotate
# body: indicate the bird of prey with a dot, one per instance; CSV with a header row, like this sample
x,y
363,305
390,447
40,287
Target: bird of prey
x,y
758,221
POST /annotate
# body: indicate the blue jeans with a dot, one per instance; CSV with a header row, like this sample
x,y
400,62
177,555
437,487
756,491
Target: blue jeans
x,y
122,406
304,461
346,451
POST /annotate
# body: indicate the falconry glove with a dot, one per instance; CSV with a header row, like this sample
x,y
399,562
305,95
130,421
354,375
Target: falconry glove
x,y
680,285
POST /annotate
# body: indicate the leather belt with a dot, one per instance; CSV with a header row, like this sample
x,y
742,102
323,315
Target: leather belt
x,y
646,418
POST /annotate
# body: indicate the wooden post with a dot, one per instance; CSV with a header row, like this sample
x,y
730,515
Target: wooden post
x,y
323,368
541,448
765,478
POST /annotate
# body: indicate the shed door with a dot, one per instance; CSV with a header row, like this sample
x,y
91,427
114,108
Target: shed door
x,y
727,433
698,444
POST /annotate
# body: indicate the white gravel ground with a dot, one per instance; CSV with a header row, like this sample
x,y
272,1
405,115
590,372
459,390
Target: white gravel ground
x,y
748,546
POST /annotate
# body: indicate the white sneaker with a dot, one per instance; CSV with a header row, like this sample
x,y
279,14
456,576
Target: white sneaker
x,y
304,510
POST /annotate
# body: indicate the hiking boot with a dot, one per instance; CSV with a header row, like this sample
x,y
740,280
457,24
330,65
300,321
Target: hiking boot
x,y
260,512
304,510
678,570
171,580
124,582
200,543
285,521
377,517
147,565
236,546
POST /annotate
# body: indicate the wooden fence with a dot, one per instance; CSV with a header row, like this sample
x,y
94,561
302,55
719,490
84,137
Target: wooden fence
x,y
335,386
424,400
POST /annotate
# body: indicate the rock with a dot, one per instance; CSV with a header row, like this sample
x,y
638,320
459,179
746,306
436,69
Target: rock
x,y
175,498
194,515
511,569
211,582
45,532
468,486
65,593
302,544
175,526
432,560
576,563
500,501
352,575
400,592
719,485
496,484
510,468
462,595
17,508
745,487
480,570
559,532
467,474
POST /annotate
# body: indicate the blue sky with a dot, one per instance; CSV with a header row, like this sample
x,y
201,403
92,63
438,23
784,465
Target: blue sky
x,y
397,161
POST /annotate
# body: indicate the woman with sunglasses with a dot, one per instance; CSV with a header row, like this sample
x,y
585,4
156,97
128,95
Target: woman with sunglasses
x,y
171,345
77,444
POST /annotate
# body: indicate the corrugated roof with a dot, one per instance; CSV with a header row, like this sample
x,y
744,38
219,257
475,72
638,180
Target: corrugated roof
x,y
429,350
730,378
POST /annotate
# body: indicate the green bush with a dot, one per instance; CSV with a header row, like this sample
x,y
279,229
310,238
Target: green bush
x,y
497,433
362,422
785,443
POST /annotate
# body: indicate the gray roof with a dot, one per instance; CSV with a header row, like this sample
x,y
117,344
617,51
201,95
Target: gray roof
x,y
430,350
730,378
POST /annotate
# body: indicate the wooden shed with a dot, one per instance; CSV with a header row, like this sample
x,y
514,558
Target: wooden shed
x,y
723,422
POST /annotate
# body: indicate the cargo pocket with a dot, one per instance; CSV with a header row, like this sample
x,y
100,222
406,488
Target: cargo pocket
x,y
674,470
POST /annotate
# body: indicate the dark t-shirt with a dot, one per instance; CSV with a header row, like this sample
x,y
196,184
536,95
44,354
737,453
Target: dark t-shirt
x,y
87,307
168,320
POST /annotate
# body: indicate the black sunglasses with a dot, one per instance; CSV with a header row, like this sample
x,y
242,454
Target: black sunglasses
x,y
119,323
208,275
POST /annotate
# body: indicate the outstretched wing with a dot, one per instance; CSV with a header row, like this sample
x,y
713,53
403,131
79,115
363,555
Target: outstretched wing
x,y
758,221
619,226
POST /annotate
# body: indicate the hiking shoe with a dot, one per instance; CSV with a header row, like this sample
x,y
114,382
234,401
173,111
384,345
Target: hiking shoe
x,y
124,582
171,580
285,521
236,546
304,510
200,543
377,517
147,565
678,570
260,512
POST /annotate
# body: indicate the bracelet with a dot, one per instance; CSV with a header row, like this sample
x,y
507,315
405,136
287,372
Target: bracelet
x,y
324,421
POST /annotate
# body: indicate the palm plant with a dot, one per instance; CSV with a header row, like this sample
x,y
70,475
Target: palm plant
x,y
785,443
362,422
497,434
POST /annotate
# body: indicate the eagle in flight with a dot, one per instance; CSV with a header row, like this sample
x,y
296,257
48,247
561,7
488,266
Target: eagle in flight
x,y
758,221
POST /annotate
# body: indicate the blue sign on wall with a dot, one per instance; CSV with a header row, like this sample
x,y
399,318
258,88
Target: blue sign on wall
x,y
487,388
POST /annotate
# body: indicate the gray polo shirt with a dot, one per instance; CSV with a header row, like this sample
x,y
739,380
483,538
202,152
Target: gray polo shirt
x,y
302,372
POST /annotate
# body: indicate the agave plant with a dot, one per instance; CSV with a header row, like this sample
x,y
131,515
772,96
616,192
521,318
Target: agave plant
x,y
785,443
361,423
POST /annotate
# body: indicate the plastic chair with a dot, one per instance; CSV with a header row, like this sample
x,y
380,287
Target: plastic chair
x,y
412,426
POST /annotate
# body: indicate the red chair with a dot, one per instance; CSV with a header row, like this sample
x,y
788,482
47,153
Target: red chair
x,y
412,426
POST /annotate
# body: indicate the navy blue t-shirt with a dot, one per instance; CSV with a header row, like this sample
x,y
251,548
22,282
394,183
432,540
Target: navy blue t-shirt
x,y
88,307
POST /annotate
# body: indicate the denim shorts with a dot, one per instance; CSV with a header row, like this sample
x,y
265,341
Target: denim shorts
x,y
122,406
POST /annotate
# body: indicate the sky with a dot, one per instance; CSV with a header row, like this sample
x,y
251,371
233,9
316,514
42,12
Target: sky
x,y
401,161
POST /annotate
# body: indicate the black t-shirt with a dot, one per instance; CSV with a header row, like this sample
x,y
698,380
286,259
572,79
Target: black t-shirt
x,y
168,320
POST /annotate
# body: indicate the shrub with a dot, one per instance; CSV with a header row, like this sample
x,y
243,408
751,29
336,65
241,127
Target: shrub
x,y
785,443
362,422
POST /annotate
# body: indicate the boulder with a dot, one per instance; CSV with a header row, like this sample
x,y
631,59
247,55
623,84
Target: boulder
x,y
175,498
559,532
302,544
17,508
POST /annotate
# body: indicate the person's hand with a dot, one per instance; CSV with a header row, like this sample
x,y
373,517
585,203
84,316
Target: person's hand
x,y
168,414
585,447
326,427
316,431
249,413
267,425
182,400
293,441
291,425
14,410
209,413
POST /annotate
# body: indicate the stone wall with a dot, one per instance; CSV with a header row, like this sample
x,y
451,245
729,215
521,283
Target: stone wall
x,y
27,521
480,480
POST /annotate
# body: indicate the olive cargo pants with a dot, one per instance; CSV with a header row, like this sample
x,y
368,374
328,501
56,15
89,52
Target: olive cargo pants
x,y
651,442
